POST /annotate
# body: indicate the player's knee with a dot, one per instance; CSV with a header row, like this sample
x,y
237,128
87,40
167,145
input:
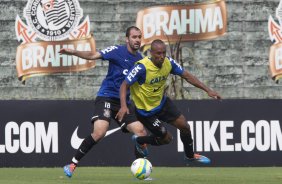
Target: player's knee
x,y
183,126
140,132
165,139
137,128
97,137
185,130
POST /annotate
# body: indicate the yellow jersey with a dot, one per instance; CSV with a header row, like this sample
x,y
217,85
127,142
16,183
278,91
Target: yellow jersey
x,y
148,82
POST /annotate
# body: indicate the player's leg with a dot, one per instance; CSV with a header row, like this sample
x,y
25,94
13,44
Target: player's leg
x,y
137,128
100,120
140,150
186,138
159,136
100,128
172,115
155,125
131,124
185,135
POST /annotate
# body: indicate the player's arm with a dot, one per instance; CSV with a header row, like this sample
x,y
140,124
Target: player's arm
x,y
89,55
197,83
135,74
178,70
123,106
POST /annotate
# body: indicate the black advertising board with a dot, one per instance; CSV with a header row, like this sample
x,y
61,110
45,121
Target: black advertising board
x,y
229,132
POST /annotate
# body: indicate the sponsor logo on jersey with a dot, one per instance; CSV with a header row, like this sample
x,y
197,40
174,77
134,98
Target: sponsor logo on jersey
x,y
158,79
156,89
275,34
125,72
109,49
133,72
52,25
177,64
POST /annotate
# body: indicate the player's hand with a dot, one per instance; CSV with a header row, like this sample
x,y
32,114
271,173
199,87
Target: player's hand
x,y
122,111
66,51
214,95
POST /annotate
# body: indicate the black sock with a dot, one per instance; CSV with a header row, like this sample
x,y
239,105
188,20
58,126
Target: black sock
x,y
188,144
148,140
85,146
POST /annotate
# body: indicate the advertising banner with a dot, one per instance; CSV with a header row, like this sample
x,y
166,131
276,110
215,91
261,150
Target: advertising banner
x,y
275,51
229,132
47,27
192,22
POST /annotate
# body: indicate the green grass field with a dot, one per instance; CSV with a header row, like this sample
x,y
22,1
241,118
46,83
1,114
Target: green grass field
x,y
161,175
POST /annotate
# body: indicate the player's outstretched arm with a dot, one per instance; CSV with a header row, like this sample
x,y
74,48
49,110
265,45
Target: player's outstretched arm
x,y
90,55
123,106
195,82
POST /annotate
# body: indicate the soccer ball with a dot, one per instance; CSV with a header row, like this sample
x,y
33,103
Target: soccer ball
x,y
141,168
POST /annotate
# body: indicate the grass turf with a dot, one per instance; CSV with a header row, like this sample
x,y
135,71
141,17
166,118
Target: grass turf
x,y
160,175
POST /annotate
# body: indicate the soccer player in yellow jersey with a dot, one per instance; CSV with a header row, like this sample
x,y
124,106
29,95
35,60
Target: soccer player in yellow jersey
x,y
147,84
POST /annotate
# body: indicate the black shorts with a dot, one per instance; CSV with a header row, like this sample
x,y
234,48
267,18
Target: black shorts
x,y
155,123
106,109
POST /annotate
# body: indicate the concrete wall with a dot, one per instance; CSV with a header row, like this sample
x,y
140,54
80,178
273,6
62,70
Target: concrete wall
x,y
235,65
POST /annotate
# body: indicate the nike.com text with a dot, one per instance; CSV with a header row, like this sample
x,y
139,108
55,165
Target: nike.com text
x,y
222,136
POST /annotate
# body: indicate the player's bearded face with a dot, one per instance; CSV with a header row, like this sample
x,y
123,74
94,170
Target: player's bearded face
x,y
134,39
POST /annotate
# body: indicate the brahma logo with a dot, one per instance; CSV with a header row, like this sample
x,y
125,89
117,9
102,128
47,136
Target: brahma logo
x,y
48,24
275,34
192,22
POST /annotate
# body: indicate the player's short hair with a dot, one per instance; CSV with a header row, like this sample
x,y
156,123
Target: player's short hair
x,y
157,42
127,33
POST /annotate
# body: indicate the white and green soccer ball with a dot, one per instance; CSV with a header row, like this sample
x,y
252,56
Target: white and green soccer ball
x,y
141,168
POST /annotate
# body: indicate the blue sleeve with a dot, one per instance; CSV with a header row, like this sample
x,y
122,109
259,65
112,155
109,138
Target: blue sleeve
x,y
109,52
137,73
176,68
